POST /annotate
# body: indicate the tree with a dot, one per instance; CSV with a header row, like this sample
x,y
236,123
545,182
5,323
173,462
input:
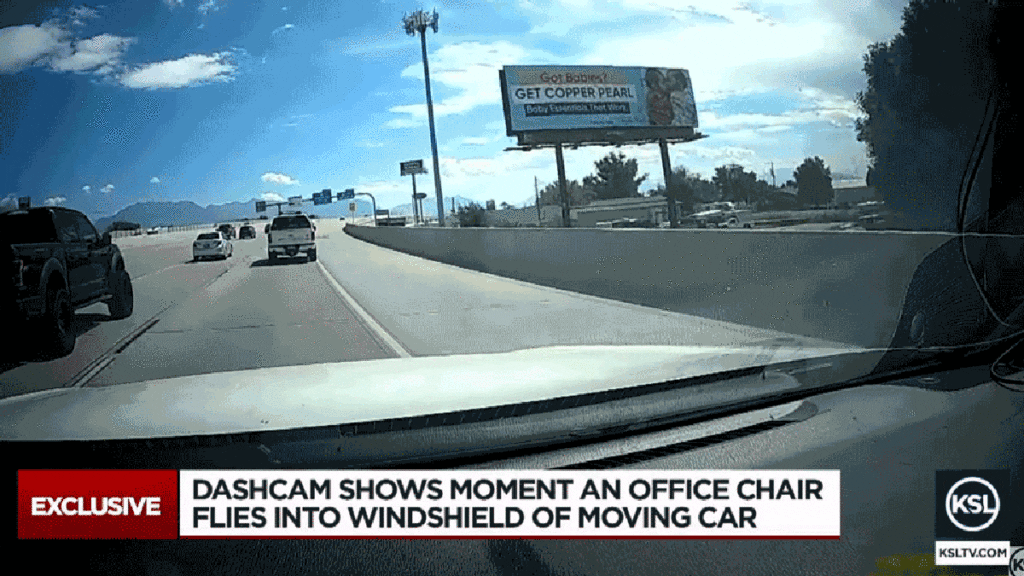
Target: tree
x,y
735,183
505,205
703,190
813,182
579,195
615,177
680,194
471,216
925,104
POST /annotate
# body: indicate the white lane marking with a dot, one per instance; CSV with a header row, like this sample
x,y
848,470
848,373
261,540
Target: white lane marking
x,y
158,271
369,320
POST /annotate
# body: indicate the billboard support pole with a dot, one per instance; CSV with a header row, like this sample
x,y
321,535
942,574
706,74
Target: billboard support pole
x,y
560,163
536,193
415,214
666,167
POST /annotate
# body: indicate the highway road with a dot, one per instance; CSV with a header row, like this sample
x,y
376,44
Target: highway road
x,y
357,302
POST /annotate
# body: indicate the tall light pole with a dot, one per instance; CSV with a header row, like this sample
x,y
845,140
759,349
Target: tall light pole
x,y
419,21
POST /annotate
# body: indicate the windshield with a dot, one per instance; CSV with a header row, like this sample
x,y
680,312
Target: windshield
x,y
27,227
750,181
290,223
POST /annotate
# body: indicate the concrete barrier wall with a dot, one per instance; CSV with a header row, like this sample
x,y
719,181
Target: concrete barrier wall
x,y
186,227
163,230
846,287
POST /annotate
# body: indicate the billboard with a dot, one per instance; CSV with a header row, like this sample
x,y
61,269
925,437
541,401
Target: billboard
x,y
412,167
589,103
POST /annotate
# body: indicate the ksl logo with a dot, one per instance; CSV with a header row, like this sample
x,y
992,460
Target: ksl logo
x,y
972,504
1016,566
968,504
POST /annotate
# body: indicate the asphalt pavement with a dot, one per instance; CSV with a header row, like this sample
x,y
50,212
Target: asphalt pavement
x,y
357,302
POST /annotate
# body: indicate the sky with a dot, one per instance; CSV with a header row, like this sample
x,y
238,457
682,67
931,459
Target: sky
x,y
217,101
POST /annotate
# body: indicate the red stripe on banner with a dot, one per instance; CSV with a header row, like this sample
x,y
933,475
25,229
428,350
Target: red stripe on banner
x,y
98,504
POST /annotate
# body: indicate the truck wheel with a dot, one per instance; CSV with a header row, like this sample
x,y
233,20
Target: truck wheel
x,y
122,301
273,257
311,255
55,326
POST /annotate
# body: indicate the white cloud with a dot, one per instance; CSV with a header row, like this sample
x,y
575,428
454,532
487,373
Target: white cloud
x,y
403,122
23,46
475,141
174,3
278,178
154,180
86,188
54,201
108,189
282,28
191,70
272,197
209,5
79,14
9,203
52,44
100,53
469,68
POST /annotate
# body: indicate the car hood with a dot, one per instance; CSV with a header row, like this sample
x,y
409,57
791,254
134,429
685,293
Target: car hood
x,y
289,397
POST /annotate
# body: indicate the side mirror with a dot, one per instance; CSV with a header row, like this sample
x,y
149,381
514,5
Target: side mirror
x,y
106,240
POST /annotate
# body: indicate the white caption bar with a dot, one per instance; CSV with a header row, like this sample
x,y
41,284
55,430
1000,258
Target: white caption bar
x,y
504,504
953,553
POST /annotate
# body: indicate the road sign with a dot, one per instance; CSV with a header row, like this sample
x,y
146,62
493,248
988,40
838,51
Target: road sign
x,y
412,167
348,194
351,206
24,202
261,206
320,198
420,195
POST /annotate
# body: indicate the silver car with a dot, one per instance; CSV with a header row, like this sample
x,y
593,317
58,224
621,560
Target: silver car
x,y
211,245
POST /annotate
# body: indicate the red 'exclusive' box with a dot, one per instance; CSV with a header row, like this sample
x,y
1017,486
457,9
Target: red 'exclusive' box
x,y
98,504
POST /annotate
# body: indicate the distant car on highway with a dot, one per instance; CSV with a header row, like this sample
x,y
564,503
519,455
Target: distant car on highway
x,y
227,230
211,245
153,230
246,232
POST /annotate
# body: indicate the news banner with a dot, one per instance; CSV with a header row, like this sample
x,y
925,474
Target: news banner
x,y
643,504
172,504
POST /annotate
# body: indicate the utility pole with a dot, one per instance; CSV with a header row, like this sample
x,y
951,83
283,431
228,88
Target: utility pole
x,y
419,21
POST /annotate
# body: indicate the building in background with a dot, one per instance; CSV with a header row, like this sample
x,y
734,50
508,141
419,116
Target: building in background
x,y
651,211
849,193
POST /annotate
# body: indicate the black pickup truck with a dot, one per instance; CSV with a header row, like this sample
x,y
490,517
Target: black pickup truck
x,y
59,264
